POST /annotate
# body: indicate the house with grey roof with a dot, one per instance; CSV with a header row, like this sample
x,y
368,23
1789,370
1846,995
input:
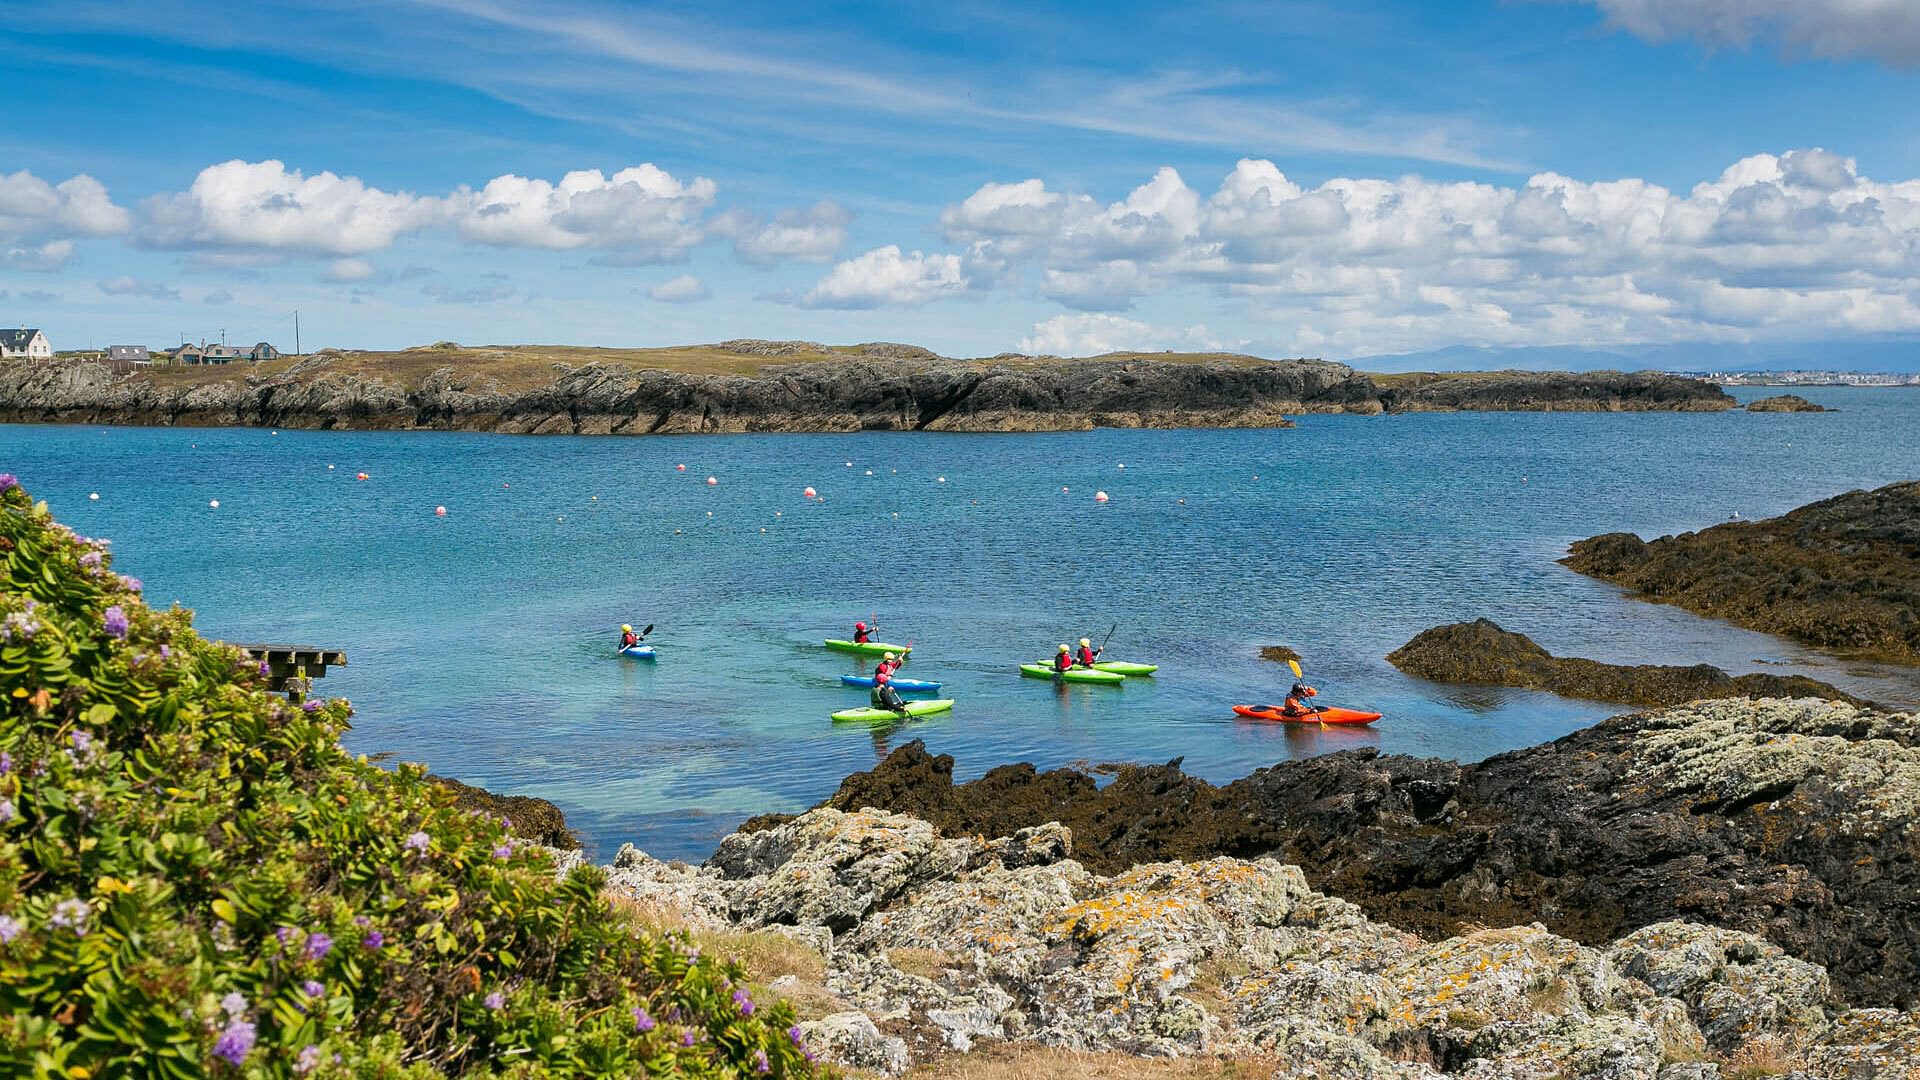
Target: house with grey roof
x,y
24,344
130,354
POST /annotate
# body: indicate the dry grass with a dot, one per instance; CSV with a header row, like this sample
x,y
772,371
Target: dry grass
x,y
926,963
1029,1062
1768,1055
767,955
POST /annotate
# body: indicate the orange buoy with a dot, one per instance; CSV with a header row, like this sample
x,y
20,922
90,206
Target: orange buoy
x,y
809,493
713,481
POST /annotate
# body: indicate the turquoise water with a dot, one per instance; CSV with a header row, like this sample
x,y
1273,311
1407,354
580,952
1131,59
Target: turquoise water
x,y
481,642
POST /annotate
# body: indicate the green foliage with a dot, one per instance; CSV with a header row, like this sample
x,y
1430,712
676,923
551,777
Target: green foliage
x,y
195,879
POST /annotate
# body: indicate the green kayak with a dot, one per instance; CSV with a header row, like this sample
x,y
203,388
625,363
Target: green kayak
x,y
1043,671
914,708
1122,667
871,648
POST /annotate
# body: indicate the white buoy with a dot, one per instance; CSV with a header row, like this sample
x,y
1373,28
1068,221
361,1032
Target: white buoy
x,y
439,511
809,493
1122,465
709,513
1099,496
1256,476
776,513
896,515
763,528
896,472
849,464
942,480
1063,490
1183,502
94,495
329,468
713,481
869,472
273,433
213,504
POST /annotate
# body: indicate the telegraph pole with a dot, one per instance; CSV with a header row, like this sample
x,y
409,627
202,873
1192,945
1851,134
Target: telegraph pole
x,y
296,332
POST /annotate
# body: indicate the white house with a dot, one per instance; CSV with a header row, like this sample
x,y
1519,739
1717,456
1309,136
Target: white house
x,y
24,344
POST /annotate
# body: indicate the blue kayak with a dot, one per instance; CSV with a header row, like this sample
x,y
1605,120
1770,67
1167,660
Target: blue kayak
x,y
638,652
902,685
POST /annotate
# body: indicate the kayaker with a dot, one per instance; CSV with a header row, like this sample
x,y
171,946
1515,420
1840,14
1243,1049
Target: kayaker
x,y
884,696
1088,655
1299,700
1063,661
862,635
627,638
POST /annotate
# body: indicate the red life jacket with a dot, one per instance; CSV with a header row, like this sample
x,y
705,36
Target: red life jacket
x,y
628,641
861,637
882,675
1086,656
1062,662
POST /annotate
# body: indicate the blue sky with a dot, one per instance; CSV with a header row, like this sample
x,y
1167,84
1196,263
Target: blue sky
x,y
1339,179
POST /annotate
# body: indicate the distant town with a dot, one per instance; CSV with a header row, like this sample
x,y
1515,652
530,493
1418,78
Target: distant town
x,y
1805,378
29,343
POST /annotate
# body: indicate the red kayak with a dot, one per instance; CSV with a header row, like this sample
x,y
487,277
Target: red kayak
x,y
1331,714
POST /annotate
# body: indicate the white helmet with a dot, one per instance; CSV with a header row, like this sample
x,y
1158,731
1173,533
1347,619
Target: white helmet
x,y
1085,643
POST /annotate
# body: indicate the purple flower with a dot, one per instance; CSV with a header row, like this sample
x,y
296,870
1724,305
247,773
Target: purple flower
x,y
504,851
6,811
417,843
745,1002
9,929
311,705
362,921
317,945
233,1004
71,915
760,1064
91,559
308,1060
373,940
314,988
6,763
266,668
495,1000
20,624
641,1020
235,1043
796,1036
7,482
114,620
687,1037
131,583
284,934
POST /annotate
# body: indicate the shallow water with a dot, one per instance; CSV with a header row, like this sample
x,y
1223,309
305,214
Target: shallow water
x,y
482,642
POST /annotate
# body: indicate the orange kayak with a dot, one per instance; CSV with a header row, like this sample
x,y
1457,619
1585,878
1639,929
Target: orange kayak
x,y
1331,714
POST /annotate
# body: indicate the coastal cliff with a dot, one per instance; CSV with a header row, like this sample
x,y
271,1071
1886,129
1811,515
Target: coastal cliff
x,y
742,386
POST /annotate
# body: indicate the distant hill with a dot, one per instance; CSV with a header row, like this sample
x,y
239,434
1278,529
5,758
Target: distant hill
x,y
1877,356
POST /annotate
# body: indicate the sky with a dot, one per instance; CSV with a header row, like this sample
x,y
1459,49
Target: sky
x,y
1346,178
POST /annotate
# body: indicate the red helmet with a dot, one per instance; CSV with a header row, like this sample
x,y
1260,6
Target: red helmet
x,y
859,626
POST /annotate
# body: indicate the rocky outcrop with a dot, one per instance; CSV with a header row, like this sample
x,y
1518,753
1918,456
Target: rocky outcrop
x,y
1784,403
871,387
533,819
1279,654
1791,820
935,944
1481,652
1843,573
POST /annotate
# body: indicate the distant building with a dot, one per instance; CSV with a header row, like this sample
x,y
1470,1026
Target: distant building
x,y
190,354
133,354
263,351
24,344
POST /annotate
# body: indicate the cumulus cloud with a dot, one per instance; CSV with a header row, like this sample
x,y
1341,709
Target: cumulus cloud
x,y
125,285
884,277
1883,30
265,205
345,270
1095,333
1797,240
641,212
51,255
685,289
810,235
32,209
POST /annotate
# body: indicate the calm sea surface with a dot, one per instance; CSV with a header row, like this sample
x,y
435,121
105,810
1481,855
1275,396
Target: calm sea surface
x,y
482,642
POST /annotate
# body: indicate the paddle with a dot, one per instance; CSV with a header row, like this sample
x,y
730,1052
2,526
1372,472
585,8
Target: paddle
x,y
642,636
1101,651
1298,674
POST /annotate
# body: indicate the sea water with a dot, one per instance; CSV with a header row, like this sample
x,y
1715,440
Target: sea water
x,y
482,642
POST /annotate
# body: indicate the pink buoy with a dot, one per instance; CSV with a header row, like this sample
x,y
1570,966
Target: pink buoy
x,y
712,481
360,476
809,493
439,511
679,468
1099,496
1063,490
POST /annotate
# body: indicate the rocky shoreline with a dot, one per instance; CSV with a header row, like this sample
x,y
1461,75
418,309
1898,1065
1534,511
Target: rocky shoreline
x,y
1719,890
1842,573
860,388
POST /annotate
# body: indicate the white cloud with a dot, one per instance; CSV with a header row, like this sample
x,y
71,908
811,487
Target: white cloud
x,y
1093,334
239,204
810,235
51,255
125,285
1883,30
884,277
685,289
641,212
345,270
32,209
1798,241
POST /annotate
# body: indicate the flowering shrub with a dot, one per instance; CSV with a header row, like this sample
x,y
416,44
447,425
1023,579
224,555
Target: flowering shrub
x,y
196,880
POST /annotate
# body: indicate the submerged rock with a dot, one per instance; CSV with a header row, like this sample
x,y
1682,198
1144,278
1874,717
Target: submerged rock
x,y
1843,573
1794,820
1482,652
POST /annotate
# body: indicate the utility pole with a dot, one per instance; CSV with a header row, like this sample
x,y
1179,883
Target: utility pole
x,y
223,337
296,332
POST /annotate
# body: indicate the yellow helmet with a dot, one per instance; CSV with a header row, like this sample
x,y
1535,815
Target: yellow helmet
x,y
887,656
1084,641
1063,648
625,629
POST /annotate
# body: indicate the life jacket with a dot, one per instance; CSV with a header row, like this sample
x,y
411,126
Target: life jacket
x,y
627,640
883,674
861,637
1086,656
1062,662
